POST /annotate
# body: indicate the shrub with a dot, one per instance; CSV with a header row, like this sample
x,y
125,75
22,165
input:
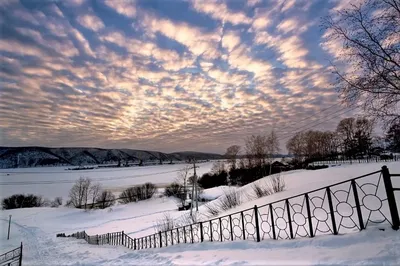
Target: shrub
x,y
188,219
261,189
212,209
56,202
231,198
148,190
165,223
213,180
105,199
128,195
277,183
22,201
137,193
174,190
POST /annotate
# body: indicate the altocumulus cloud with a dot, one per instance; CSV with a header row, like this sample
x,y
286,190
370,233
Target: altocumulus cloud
x,y
164,75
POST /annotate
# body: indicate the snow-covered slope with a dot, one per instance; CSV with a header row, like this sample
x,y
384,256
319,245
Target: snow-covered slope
x,y
37,227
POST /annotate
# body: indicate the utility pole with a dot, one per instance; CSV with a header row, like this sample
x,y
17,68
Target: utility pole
x,y
195,181
194,189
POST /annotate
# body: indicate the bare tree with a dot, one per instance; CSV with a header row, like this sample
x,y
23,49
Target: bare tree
x,y
232,154
218,167
79,192
272,147
355,135
368,33
183,176
105,199
256,149
94,192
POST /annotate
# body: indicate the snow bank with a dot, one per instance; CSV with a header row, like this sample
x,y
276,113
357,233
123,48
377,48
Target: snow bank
x,y
213,193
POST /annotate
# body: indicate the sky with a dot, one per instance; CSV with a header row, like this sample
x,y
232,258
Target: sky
x,y
164,75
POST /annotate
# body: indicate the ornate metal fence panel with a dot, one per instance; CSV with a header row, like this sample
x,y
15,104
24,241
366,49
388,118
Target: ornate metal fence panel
x,y
340,208
12,257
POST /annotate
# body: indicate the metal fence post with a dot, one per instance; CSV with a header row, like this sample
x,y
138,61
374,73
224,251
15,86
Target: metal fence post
x,y
184,234
230,222
331,210
97,239
177,235
20,256
201,233
220,229
289,219
166,239
358,206
257,225
391,198
191,232
134,243
159,234
271,211
211,232
243,226
155,242
122,237
310,225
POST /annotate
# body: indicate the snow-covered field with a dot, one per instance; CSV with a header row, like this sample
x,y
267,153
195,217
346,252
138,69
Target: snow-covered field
x,y
37,228
57,181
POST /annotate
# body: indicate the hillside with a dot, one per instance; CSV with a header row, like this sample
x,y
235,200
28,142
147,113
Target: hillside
x,y
15,157
37,229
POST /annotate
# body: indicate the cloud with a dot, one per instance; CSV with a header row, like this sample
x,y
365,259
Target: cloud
x,y
91,22
169,82
123,7
197,41
219,10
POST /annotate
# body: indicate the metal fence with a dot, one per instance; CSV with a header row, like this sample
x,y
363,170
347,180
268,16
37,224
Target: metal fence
x,y
340,208
12,257
355,161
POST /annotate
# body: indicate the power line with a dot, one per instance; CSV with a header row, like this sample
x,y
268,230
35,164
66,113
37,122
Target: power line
x,y
325,120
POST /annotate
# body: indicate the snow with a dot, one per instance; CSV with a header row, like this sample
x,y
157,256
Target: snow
x,y
114,179
214,193
37,228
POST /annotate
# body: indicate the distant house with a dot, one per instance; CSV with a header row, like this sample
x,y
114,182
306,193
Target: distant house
x,y
280,165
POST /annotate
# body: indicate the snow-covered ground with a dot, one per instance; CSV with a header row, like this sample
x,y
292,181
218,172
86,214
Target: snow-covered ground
x,y
37,228
24,180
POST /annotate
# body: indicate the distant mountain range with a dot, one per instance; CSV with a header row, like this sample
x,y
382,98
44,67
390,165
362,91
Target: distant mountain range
x,y
14,157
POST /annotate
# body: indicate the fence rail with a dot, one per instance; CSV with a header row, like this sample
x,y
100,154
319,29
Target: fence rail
x,y
12,257
340,208
355,161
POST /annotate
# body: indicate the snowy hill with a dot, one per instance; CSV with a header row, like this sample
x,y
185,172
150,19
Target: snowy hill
x,y
15,157
37,228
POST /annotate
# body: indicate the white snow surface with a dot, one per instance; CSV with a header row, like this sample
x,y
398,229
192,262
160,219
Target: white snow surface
x,y
115,179
37,229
